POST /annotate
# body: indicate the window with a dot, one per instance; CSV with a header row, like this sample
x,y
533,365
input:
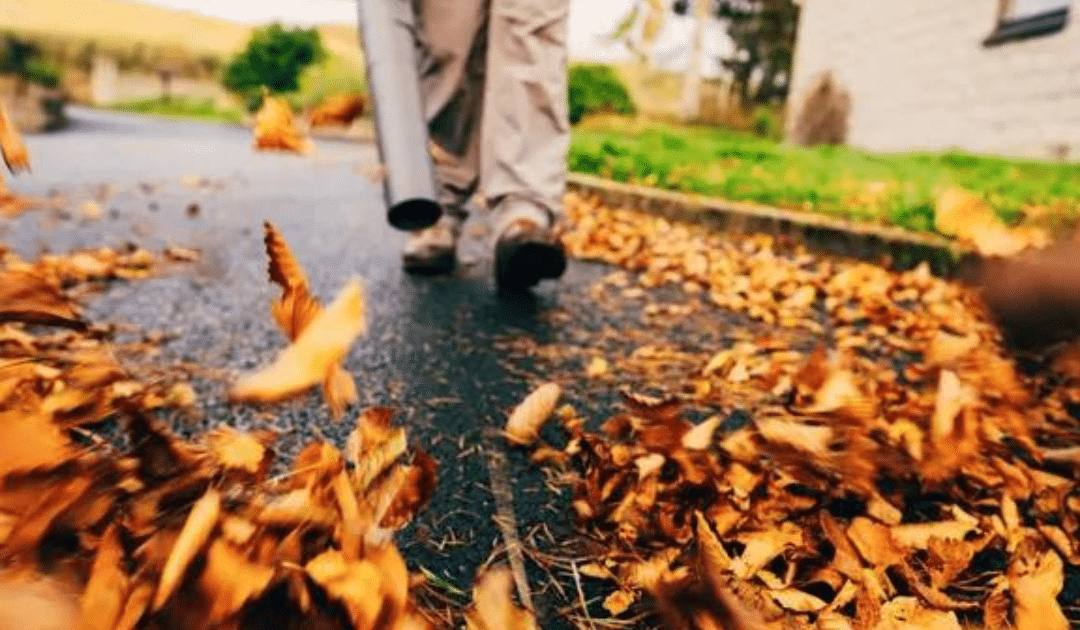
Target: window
x,y
1020,19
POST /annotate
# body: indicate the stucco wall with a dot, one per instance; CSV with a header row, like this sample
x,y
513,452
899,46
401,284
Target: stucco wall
x,y
920,77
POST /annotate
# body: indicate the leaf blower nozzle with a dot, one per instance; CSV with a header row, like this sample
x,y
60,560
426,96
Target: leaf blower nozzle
x,y
400,124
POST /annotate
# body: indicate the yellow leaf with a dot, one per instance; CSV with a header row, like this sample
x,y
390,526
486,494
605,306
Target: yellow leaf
x,y
1036,577
16,157
103,598
597,367
618,602
196,531
700,437
907,613
308,361
493,608
523,427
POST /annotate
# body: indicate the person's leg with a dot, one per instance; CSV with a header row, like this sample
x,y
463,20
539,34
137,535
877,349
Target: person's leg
x,y
526,135
452,41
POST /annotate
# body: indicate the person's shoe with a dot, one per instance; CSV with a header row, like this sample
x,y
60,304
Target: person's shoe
x,y
525,254
433,250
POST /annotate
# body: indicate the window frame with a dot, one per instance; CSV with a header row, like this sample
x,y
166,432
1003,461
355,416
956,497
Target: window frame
x,y
1038,25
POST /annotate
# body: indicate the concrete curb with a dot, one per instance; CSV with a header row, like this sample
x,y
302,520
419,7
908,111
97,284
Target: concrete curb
x,y
892,247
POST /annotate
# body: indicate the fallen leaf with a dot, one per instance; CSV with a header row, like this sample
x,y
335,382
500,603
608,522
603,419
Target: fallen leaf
x,y
700,437
231,580
907,613
523,426
493,607
357,585
597,367
1036,577
618,602
275,127
27,297
196,531
103,598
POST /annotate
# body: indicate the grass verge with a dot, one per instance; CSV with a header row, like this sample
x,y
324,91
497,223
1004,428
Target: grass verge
x,y
890,189
181,107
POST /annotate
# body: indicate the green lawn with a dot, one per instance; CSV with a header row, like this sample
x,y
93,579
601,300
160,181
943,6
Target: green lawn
x,y
180,107
897,189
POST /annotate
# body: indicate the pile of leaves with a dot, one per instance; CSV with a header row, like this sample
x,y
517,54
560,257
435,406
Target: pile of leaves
x,y
275,127
146,530
903,474
338,109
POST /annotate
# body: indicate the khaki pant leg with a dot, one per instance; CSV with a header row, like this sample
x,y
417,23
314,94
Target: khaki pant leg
x,y
452,42
526,132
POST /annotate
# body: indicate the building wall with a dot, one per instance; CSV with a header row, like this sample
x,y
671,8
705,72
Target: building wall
x,y
920,77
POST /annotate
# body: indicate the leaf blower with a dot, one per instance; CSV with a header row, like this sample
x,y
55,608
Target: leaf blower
x,y
400,124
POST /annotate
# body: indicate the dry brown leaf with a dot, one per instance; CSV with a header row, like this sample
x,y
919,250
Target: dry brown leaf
x,y
337,109
797,601
42,443
103,598
618,602
810,439
196,531
763,546
27,297
700,437
597,367
523,426
907,613
16,157
919,535
493,607
357,585
297,308
275,127
231,580
1036,576
234,450
308,361
138,602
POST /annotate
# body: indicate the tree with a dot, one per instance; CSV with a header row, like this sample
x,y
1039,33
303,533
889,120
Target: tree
x,y
274,58
763,32
764,35
690,99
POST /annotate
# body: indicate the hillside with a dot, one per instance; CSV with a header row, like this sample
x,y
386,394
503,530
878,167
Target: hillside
x,y
127,21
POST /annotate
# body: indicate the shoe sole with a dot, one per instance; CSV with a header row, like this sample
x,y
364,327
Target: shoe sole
x,y
521,265
438,265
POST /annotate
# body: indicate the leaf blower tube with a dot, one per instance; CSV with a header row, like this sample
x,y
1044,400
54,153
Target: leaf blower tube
x,y
400,124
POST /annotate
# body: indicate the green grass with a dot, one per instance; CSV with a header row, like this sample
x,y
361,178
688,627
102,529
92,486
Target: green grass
x,y
896,189
180,107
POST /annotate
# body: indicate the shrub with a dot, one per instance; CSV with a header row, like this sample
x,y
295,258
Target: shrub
x,y
595,88
43,73
765,123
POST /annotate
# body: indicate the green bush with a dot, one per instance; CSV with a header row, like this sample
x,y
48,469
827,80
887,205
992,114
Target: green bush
x,y
274,58
766,123
43,73
595,88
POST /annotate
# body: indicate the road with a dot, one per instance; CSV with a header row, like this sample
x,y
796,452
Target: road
x,y
430,350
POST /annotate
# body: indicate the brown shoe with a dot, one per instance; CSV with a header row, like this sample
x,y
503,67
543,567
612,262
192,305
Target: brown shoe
x,y
432,251
525,254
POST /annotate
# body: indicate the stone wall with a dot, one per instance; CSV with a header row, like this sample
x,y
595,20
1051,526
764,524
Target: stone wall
x,y
920,78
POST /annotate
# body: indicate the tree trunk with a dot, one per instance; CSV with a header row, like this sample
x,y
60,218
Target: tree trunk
x,y
690,102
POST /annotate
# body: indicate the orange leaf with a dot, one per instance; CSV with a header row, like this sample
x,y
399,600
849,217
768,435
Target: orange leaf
x,y
16,157
275,127
493,607
231,580
30,298
102,600
200,522
523,427
308,361
234,450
